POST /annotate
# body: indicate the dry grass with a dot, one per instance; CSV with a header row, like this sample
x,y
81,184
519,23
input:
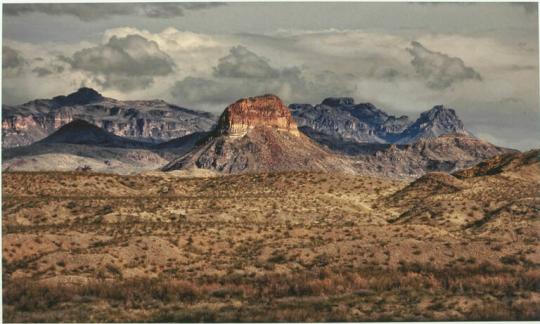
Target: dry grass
x,y
266,247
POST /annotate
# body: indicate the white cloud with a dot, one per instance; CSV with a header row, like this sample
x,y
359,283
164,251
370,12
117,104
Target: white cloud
x,y
440,70
125,63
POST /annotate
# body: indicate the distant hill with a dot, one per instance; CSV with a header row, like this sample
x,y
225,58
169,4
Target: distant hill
x,y
446,153
82,132
498,195
526,164
81,145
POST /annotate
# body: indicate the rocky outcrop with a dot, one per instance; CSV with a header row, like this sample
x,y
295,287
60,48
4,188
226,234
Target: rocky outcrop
x,y
249,113
259,135
144,120
83,96
435,122
344,121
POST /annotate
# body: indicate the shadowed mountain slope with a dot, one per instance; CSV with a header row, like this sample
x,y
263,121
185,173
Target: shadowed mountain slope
x,y
83,132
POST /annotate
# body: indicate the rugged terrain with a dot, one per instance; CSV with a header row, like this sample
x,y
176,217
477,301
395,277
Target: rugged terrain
x,y
335,121
445,153
144,120
340,121
258,134
81,145
295,246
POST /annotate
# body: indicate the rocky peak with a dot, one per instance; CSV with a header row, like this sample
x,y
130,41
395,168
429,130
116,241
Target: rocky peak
x,y
435,122
368,113
262,111
82,96
338,101
443,115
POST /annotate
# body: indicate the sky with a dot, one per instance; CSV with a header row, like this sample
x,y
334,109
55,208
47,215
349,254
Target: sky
x,y
479,58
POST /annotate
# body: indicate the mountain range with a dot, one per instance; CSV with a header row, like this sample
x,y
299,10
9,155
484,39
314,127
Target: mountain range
x,y
338,122
335,121
151,121
258,134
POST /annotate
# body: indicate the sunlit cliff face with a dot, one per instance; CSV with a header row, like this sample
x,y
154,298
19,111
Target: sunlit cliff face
x,y
262,111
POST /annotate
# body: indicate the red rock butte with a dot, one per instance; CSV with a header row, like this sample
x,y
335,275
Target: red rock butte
x,y
262,111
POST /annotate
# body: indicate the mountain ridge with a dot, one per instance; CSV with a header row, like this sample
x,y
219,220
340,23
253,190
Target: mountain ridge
x,y
344,120
151,121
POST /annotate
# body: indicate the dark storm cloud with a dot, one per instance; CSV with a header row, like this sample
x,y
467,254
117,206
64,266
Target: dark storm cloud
x,y
97,11
12,59
243,73
440,70
126,63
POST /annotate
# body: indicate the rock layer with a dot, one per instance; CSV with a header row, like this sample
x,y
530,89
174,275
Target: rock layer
x,y
262,111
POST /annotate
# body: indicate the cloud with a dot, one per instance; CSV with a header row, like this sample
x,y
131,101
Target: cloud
x,y
43,71
385,73
170,40
440,70
12,59
530,8
243,73
242,63
126,63
98,11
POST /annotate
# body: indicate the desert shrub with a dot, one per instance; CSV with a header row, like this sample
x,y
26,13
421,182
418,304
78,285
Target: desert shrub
x,y
277,258
369,283
509,259
28,296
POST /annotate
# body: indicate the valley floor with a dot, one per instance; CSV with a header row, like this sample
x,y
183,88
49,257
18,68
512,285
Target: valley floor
x,y
292,247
